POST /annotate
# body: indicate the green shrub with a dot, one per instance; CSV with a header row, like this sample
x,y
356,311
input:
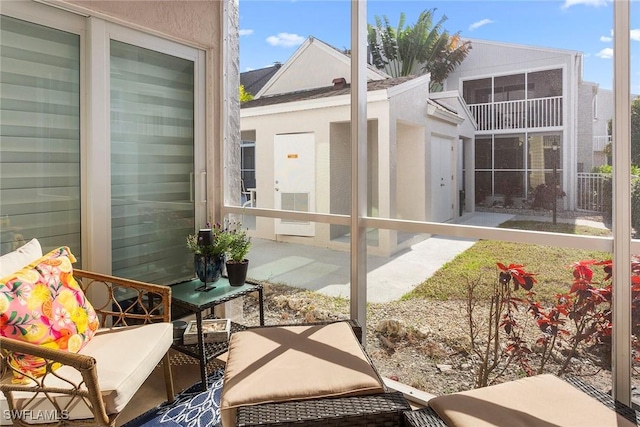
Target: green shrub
x,y
607,197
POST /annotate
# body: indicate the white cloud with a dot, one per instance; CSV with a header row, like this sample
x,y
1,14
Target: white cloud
x,y
605,53
249,69
285,40
633,34
596,3
480,24
245,32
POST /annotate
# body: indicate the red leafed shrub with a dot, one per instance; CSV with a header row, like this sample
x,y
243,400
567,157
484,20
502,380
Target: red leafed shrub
x,y
577,324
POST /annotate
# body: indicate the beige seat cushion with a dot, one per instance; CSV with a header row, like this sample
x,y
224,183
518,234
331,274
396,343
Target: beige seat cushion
x,y
543,400
125,357
277,364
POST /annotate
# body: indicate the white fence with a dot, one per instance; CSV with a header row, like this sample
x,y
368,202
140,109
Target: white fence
x,y
590,195
600,142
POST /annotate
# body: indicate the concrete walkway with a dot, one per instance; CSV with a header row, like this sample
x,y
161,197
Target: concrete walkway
x,y
327,271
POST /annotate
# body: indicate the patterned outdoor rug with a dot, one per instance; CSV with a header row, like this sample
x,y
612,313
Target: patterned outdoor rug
x,y
192,408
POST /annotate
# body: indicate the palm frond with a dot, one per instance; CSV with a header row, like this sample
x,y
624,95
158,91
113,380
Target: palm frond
x,y
416,49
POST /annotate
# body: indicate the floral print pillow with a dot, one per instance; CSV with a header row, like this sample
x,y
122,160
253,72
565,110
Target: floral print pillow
x,y
43,304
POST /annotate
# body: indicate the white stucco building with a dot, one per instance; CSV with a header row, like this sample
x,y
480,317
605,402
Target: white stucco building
x,y
299,127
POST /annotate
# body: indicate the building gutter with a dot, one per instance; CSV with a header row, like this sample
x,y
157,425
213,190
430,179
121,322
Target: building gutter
x,y
311,104
442,114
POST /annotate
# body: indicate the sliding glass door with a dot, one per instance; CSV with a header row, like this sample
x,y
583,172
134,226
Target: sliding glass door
x,y
39,136
152,163
102,142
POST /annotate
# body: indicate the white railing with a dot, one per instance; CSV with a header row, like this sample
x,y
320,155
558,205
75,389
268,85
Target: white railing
x,y
520,114
590,195
600,142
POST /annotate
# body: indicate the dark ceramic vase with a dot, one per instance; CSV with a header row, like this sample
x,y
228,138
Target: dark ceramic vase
x,y
214,267
237,272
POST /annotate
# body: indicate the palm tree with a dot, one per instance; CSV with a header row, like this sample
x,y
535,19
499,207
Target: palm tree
x,y
418,49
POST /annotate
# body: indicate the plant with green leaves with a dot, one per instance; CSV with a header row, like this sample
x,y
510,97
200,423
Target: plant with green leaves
x,y
421,48
239,244
220,241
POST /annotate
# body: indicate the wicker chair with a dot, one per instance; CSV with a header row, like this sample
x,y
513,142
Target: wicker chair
x,y
126,307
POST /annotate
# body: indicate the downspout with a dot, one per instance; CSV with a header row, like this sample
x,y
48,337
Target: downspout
x,y
569,164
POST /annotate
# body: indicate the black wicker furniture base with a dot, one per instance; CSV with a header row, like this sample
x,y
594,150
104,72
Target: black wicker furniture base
x,y
427,417
424,417
378,410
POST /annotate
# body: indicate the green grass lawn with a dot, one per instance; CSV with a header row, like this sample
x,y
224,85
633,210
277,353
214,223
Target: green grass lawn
x,y
551,264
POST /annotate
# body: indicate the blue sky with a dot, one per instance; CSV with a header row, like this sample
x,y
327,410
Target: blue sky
x,y
271,30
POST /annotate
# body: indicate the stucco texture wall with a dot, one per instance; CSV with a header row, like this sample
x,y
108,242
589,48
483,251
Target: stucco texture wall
x,y
486,59
194,21
310,71
585,127
266,127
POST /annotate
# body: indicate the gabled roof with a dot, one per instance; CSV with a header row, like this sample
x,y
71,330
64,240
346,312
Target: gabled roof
x,y
524,46
254,80
323,92
331,52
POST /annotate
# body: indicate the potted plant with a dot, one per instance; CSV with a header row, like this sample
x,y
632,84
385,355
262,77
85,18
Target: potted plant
x,y
237,250
209,247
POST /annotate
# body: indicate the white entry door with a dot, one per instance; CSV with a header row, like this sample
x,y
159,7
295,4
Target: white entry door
x,y
442,179
294,180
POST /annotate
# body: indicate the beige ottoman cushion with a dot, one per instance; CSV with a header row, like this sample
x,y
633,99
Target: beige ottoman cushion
x,y
276,364
543,400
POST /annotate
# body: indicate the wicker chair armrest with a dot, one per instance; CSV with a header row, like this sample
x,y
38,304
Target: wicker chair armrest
x,y
85,389
123,301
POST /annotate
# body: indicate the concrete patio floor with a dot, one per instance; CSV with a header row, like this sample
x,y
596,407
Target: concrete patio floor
x,y
327,271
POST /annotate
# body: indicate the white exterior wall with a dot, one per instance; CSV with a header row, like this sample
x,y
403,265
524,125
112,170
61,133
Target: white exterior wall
x,y
595,110
586,121
604,113
488,59
415,136
409,153
399,156
312,66
301,117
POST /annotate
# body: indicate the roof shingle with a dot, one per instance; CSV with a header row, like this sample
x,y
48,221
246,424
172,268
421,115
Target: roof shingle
x,y
323,92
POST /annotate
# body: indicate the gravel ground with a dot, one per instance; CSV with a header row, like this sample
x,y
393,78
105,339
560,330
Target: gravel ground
x,y
421,343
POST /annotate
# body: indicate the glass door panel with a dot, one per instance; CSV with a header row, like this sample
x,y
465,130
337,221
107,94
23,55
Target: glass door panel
x,y
152,164
39,136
